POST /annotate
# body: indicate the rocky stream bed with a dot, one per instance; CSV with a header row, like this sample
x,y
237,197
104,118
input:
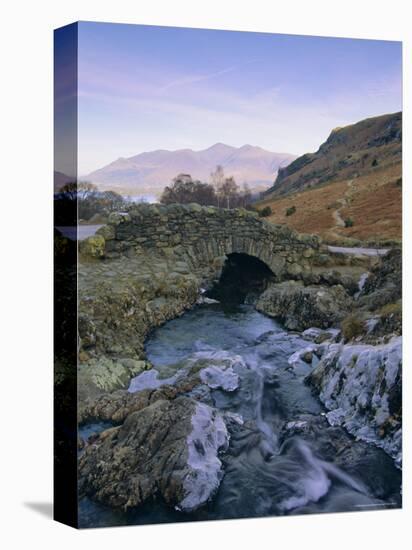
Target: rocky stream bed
x,y
255,405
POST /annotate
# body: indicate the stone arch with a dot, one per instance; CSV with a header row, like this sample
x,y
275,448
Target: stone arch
x,y
243,278
204,236
214,251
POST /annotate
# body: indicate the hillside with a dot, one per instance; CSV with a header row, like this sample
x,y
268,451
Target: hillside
x,y
150,172
351,188
347,152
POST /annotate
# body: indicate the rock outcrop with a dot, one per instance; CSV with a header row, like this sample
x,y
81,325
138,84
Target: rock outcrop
x,y
361,385
168,449
343,154
384,283
356,458
300,307
119,303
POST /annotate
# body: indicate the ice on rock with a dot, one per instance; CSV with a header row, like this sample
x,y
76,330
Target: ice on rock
x,y
221,370
355,382
315,333
219,378
145,380
209,435
149,380
297,358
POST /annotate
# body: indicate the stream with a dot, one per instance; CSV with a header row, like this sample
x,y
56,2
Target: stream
x,y
283,458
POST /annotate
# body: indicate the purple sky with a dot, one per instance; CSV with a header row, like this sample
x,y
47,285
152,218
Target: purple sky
x,y
143,88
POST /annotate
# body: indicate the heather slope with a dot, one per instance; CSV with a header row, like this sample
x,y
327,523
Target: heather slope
x,y
348,152
350,189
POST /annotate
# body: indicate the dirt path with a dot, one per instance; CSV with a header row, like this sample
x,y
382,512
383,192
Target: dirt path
x,y
336,214
339,221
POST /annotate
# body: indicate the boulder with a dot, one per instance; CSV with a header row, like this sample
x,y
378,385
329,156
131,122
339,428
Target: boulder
x,y
300,307
355,457
350,281
384,284
168,450
115,406
93,246
361,385
108,232
102,375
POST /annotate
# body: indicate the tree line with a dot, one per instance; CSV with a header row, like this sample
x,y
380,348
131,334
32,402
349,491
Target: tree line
x,y
222,192
83,200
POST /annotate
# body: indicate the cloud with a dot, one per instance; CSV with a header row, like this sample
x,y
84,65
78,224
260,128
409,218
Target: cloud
x,y
194,79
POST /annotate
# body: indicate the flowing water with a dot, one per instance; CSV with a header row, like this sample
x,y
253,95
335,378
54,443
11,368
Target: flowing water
x,y
283,457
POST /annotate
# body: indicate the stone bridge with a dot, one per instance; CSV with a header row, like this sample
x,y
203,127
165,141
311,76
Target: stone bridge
x,y
150,265
204,236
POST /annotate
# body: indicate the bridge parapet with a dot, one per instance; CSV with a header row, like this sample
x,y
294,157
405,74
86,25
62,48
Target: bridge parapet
x,y
204,234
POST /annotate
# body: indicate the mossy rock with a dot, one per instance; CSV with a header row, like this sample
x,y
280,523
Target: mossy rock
x,y
107,375
93,246
107,232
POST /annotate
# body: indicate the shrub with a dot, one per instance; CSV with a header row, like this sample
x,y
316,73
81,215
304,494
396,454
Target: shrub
x,y
375,162
265,212
394,308
352,327
348,222
291,210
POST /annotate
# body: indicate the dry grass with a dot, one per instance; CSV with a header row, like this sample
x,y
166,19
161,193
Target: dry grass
x,y
394,308
373,201
352,327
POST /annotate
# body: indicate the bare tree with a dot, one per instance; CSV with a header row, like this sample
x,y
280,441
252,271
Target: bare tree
x,y
246,196
74,190
230,190
218,179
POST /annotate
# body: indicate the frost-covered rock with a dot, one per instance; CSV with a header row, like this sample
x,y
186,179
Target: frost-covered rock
x,y
318,335
209,435
202,299
306,355
218,378
219,369
361,385
168,449
149,380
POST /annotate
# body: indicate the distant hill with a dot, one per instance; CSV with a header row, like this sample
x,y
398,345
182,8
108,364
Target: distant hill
x,y
60,180
351,188
151,172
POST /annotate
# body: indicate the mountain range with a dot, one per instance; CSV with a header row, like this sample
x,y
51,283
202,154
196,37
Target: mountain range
x,y
149,173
